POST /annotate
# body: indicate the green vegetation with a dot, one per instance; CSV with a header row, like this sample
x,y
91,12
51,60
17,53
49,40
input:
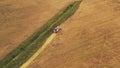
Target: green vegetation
x,y
25,50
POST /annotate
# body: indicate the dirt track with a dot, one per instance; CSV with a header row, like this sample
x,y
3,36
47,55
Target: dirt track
x,y
26,64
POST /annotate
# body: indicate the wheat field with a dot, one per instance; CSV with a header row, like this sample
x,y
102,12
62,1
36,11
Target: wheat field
x,y
89,39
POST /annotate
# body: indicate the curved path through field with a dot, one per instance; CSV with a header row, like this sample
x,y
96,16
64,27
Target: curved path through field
x,y
39,51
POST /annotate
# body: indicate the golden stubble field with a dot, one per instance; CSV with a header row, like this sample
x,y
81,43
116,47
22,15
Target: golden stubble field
x,y
89,39
20,19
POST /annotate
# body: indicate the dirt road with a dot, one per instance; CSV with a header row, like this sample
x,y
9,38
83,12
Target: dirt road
x,y
39,51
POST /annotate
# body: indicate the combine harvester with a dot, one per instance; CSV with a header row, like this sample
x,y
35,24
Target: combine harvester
x,y
57,29
26,50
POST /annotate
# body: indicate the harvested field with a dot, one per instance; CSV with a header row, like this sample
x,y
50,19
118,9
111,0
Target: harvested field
x,y
89,39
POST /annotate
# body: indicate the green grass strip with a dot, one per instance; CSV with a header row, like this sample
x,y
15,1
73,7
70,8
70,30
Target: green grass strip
x,y
25,50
